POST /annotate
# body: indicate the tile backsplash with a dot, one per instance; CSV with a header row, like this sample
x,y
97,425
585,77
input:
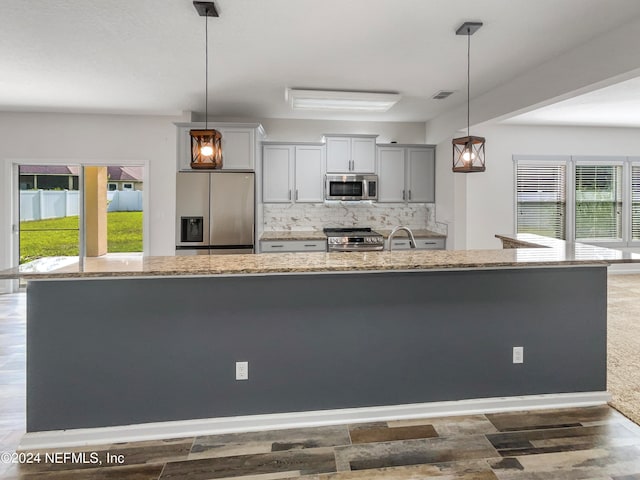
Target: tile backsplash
x,y
315,216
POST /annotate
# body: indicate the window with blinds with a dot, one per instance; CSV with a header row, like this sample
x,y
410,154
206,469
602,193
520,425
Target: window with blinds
x,y
635,202
598,202
541,199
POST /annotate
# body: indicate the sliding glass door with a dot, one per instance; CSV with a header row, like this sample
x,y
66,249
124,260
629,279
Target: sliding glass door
x,y
72,211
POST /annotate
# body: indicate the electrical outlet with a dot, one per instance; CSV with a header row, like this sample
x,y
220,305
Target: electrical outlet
x,y
242,370
518,354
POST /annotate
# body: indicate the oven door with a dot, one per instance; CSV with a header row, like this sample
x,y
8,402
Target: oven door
x,y
345,187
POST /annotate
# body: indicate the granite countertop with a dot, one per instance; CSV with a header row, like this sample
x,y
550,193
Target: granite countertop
x,y
293,235
556,253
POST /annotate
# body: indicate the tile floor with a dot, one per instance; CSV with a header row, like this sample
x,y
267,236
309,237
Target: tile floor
x,y
586,443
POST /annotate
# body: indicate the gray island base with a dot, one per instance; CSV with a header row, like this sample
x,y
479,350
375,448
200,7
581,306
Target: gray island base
x,y
122,351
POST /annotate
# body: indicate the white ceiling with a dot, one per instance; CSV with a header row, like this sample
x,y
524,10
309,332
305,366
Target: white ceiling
x,y
147,56
613,106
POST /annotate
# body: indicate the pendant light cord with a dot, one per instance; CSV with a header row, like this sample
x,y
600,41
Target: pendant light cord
x,y
468,75
206,70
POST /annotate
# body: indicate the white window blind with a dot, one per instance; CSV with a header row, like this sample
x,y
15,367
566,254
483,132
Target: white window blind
x,y
541,199
635,202
598,202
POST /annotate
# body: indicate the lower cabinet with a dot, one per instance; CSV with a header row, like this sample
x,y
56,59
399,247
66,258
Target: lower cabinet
x,y
275,246
421,244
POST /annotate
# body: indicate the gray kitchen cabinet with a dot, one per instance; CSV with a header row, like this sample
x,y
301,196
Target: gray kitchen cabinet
x,y
421,174
406,173
351,153
308,173
391,174
276,173
276,246
292,173
421,243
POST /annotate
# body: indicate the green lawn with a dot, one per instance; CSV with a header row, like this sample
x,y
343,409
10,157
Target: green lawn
x,y
59,236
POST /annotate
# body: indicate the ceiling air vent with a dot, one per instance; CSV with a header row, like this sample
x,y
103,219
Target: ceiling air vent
x,y
442,94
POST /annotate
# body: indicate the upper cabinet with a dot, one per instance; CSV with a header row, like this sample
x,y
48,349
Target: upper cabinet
x,y
421,174
277,161
292,173
406,173
238,144
391,174
351,153
308,173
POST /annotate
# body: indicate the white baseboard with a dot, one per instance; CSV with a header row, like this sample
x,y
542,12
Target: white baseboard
x,y
278,421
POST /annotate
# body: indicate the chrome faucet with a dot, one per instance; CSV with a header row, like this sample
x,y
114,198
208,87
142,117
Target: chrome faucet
x,y
412,241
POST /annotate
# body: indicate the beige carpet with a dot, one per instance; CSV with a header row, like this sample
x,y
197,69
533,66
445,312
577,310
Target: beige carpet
x,y
623,360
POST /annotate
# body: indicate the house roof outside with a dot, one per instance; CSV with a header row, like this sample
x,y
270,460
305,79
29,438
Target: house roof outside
x,y
115,173
49,170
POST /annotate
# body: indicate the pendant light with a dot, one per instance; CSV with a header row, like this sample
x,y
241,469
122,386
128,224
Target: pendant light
x,y
468,152
206,145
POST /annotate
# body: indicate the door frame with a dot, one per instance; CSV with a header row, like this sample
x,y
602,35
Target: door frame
x,y
12,210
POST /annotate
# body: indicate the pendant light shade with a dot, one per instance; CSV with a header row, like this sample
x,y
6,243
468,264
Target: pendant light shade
x,y
206,149
468,152
206,145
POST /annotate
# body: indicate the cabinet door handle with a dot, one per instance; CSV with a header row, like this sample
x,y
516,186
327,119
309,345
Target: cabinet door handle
x,y
277,246
310,245
404,194
409,194
289,194
296,194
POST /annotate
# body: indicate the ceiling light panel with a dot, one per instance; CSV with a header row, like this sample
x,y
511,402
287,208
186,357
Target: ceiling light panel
x,y
336,101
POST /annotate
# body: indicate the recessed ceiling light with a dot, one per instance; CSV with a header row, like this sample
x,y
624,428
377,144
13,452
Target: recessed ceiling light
x,y
331,100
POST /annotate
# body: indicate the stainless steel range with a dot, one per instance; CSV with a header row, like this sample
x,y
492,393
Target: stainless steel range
x,y
355,239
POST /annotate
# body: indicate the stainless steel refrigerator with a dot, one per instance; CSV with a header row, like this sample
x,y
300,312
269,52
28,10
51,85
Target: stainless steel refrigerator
x,y
214,213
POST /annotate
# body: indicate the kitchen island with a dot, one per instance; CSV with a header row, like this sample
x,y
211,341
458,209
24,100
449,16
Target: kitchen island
x,y
329,337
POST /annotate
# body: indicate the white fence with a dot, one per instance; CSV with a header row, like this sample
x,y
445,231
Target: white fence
x,y
124,201
43,204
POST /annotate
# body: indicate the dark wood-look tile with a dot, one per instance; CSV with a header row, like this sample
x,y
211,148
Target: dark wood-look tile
x,y
303,462
380,432
413,452
530,442
449,426
508,463
135,472
463,470
600,463
539,419
248,443
135,453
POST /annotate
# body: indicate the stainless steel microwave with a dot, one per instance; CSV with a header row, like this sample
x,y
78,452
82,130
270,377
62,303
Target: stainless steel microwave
x,y
351,187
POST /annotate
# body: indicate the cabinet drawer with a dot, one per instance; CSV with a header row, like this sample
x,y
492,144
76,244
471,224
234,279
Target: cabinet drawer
x,y
400,244
421,244
430,243
293,246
